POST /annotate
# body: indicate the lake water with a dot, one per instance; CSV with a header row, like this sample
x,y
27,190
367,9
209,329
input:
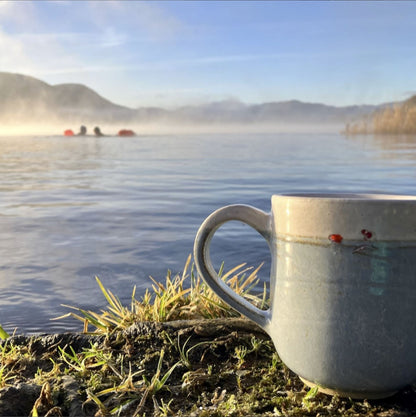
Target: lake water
x,y
123,209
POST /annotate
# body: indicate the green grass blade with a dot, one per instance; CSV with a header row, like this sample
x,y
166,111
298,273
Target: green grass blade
x,y
107,295
3,334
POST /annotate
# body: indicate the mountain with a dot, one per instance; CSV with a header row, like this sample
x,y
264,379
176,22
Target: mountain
x,y
293,112
24,99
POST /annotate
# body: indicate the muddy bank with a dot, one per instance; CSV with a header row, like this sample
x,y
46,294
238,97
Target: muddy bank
x,y
222,367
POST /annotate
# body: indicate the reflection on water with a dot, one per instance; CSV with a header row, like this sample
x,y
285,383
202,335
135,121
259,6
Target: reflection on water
x,y
124,209
395,147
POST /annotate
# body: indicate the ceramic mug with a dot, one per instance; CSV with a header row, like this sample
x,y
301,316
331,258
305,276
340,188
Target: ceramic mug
x,y
342,309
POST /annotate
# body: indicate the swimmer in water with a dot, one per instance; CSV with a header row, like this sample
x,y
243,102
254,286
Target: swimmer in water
x,y
82,131
97,131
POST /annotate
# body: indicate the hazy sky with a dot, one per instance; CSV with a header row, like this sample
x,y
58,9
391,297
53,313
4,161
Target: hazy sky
x,y
171,53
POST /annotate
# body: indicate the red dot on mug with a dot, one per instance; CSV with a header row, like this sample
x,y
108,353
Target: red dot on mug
x,y
335,238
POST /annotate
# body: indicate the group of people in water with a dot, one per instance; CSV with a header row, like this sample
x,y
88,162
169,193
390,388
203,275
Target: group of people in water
x,y
83,131
97,132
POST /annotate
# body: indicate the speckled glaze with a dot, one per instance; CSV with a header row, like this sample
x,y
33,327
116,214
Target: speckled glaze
x,y
342,286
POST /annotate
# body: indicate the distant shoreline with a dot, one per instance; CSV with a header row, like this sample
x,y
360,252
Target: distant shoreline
x,y
30,101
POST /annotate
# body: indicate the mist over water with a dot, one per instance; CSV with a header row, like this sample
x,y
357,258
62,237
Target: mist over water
x,y
126,208
164,128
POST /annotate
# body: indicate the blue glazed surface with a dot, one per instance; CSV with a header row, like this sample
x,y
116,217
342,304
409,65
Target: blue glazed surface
x,y
344,313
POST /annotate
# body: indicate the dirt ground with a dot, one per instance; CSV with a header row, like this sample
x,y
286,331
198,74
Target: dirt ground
x,y
222,367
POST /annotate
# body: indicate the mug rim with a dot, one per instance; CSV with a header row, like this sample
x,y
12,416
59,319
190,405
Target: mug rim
x,y
348,196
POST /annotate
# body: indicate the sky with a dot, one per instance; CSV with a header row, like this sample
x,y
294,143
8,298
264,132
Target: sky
x,y
174,53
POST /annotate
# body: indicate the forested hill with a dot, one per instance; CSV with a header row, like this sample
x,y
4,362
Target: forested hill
x,y
398,118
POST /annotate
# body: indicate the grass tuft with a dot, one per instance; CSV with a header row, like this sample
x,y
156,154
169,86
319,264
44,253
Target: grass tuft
x,y
181,297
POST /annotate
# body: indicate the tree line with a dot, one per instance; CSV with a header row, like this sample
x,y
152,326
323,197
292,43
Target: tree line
x,y
396,119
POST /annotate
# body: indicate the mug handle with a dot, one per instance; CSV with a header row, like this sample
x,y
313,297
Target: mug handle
x,y
258,220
